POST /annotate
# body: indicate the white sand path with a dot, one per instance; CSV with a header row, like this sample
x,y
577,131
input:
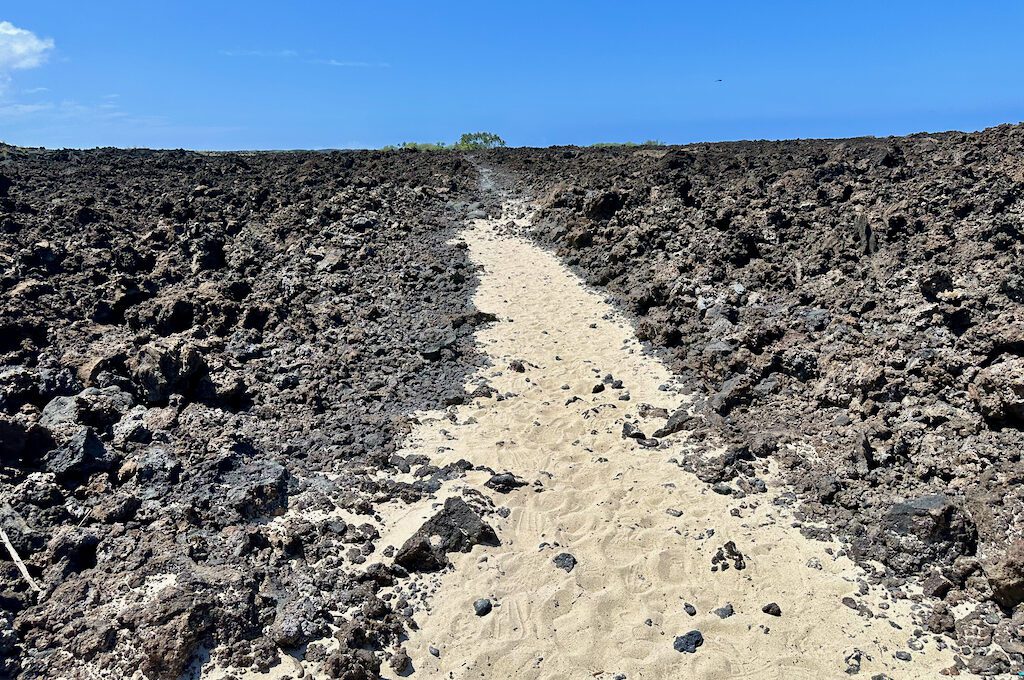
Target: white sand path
x,y
604,500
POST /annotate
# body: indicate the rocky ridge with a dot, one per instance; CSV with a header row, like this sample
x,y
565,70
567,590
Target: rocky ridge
x,y
192,345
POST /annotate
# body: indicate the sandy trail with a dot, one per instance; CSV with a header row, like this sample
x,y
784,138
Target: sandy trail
x,y
604,499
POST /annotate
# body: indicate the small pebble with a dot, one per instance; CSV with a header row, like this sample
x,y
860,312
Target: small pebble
x,y
565,561
725,611
482,606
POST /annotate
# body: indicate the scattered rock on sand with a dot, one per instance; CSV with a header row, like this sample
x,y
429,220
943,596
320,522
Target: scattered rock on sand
x,y
565,561
772,609
725,611
504,482
630,431
688,643
456,528
482,607
726,555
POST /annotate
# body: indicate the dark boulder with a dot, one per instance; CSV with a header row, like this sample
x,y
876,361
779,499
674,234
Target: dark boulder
x,y
456,528
603,206
927,529
81,455
504,482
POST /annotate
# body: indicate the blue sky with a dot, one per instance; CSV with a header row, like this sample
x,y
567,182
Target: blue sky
x,y
261,75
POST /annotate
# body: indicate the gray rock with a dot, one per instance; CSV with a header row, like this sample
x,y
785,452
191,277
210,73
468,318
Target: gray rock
x,y
676,423
689,642
1005,575
565,561
725,611
79,456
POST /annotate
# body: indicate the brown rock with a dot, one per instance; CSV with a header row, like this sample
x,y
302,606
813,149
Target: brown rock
x,y
1006,575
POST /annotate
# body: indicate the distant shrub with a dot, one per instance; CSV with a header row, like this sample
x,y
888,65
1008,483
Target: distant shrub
x,y
473,141
417,146
470,141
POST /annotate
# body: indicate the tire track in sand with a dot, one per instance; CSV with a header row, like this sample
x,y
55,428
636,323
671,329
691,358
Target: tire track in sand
x,y
604,498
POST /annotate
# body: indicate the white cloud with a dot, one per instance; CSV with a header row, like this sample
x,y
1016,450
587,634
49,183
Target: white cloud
x,y
20,49
10,111
353,64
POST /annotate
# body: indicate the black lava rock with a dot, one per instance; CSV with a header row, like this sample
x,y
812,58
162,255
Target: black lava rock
x,y
565,561
688,643
456,528
504,482
725,611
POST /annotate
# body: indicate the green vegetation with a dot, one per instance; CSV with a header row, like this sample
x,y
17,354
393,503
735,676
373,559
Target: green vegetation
x,y
615,145
470,141
417,146
473,141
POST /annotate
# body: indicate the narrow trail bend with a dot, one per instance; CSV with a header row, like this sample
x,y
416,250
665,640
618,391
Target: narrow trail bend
x,y
642,530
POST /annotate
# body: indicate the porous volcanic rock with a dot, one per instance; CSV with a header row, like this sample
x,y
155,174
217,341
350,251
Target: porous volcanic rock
x,y
198,354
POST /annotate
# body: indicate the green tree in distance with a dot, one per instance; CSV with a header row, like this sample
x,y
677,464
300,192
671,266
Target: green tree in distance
x,y
473,141
470,141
